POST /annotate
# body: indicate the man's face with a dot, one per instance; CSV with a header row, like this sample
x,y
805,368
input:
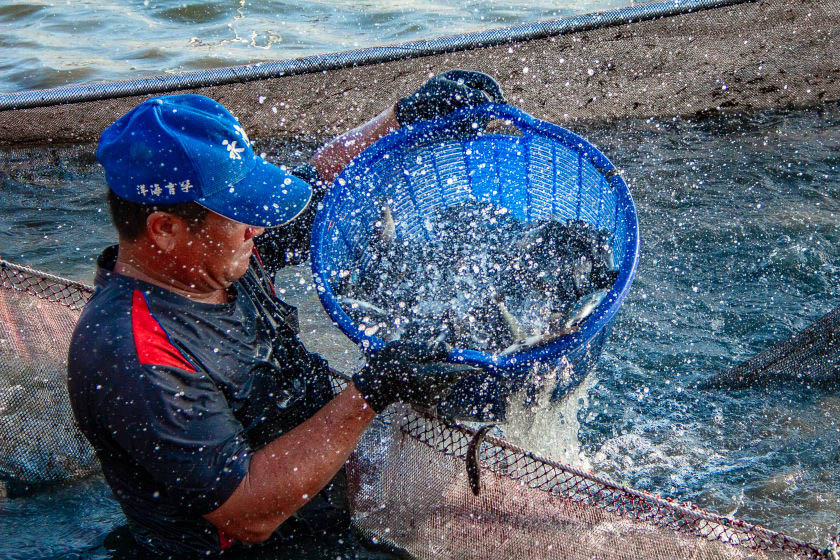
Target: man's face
x,y
217,253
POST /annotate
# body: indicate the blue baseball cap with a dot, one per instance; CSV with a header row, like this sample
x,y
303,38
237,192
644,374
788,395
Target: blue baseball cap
x,y
189,148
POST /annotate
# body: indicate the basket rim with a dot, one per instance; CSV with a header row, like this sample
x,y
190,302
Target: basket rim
x,y
428,132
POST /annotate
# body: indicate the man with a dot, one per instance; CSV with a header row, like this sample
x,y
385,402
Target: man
x,y
216,429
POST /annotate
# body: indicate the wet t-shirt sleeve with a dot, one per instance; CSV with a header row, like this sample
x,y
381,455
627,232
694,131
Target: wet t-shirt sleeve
x,y
177,426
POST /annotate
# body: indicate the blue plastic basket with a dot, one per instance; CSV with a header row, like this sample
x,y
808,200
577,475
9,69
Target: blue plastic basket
x,y
547,173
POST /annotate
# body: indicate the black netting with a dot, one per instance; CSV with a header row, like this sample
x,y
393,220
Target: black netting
x,y
810,358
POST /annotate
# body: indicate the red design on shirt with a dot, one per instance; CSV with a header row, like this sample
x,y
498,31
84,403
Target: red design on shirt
x,y
225,541
151,341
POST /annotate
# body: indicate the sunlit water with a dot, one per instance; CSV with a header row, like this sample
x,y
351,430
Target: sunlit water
x,y
52,43
740,250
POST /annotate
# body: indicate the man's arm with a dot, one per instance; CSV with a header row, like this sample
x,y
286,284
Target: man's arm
x,y
290,470
336,154
436,98
289,244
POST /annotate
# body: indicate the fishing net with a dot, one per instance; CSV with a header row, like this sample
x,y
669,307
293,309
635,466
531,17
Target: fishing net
x,y
417,482
39,443
409,477
811,357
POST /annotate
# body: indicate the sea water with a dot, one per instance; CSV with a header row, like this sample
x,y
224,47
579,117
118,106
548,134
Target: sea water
x,y
740,249
48,43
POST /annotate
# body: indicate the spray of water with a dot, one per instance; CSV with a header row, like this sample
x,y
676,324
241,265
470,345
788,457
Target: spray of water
x,y
546,426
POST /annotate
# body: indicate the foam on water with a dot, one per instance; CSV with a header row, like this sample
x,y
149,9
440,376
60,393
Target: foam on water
x,y
550,428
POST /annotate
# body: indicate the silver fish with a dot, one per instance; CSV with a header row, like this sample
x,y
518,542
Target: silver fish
x,y
386,228
363,305
536,340
584,308
511,321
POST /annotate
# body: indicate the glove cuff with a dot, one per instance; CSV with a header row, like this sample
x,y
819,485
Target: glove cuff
x,y
370,386
404,113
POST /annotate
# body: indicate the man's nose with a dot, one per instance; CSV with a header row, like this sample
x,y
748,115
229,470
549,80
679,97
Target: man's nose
x,y
252,231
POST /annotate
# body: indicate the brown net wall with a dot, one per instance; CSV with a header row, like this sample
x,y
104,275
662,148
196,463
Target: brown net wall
x,y
411,489
408,478
39,443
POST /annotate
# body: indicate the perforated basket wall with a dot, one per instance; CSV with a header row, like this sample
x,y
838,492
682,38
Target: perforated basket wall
x,y
547,173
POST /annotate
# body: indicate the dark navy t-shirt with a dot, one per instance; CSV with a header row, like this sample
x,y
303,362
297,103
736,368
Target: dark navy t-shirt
x,y
176,395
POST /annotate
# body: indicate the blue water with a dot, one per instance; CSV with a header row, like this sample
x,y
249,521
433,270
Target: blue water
x,y
740,249
46,44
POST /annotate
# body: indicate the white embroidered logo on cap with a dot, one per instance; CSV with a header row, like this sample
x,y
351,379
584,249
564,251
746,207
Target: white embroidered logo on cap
x,y
186,186
241,132
233,151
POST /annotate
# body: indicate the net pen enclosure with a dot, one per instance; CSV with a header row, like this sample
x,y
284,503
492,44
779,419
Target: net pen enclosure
x,y
544,173
413,478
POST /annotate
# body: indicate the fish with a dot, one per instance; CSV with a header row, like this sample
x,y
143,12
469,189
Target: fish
x,y
364,306
511,321
479,278
385,228
535,341
584,308
474,460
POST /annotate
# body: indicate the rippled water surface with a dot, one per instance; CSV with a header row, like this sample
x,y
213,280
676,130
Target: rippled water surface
x,y
52,43
740,250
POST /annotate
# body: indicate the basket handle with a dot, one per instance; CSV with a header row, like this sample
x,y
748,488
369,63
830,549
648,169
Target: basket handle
x,y
490,110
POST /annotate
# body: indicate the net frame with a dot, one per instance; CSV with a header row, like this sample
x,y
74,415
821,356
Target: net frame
x,y
357,57
748,55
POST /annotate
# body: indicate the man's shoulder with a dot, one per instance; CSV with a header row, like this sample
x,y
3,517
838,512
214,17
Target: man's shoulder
x,y
117,331
101,347
105,317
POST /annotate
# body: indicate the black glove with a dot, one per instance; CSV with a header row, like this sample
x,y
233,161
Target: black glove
x,y
446,92
409,372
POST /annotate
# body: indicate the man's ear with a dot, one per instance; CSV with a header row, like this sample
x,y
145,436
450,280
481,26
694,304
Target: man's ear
x,y
165,230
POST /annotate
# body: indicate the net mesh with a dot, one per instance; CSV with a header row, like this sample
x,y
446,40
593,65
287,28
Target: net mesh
x,y
410,478
811,357
39,443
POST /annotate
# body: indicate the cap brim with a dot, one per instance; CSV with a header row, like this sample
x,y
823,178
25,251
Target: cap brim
x,y
266,197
